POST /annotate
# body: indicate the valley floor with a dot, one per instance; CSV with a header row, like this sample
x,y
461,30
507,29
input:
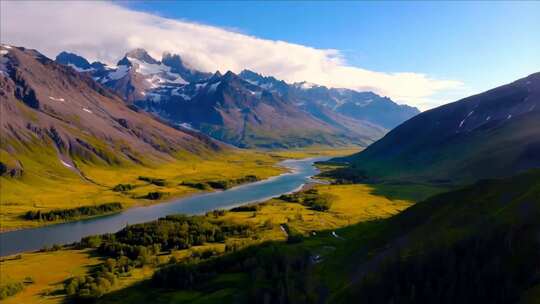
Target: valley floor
x,y
276,218
46,189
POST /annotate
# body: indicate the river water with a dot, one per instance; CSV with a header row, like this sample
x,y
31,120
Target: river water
x,y
36,238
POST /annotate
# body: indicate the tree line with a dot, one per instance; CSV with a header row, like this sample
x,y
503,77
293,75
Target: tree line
x,y
67,214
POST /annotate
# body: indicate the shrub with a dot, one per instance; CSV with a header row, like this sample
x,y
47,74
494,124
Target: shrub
x,y
122,187
155,195
320,203
246,208
10,289
156,181
200,186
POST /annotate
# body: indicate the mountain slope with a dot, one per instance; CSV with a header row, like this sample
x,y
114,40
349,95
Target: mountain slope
x,y
496,133
478,244
45,105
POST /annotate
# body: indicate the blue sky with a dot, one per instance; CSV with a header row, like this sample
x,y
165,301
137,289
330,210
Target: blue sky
x,y
482,44
419,53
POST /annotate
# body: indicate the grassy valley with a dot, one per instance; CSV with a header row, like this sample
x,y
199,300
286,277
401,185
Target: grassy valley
x,y
277,220
42,187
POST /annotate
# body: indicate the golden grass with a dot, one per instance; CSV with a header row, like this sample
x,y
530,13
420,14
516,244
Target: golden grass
x,y
316,151
55,187
351,204
47,184
48,271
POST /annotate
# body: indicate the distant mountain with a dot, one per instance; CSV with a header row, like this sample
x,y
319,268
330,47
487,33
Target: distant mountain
x,y
493,134
231,109
262,112
51,113
364,106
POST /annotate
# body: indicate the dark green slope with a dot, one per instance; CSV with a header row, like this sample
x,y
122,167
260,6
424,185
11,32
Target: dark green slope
x,y
493,134
480,244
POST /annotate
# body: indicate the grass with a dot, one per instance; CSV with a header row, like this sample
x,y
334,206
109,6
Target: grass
x,y
47,185
355,203
316,151
350,204
48,271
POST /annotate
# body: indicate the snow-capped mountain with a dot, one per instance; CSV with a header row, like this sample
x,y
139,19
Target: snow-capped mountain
x,y
247,109
366,106
58,115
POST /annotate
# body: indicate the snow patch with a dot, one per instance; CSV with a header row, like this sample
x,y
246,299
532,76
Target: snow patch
x,y
154,69
3,52
267,86
78,69
252,82
488,118
119,73
307,85
509,116
188,126
146,68
154,97
6,46
56,99
461,123
213,86
255,93
66,164
86,110
176,92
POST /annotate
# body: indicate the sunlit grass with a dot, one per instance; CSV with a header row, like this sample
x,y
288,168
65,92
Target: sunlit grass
x,y
47,184
48,270
350,204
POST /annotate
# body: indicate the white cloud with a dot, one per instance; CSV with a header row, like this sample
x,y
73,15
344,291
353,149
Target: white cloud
x,y
104,31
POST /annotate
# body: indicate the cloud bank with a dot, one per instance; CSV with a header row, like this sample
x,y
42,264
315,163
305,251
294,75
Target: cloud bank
x,y
104,31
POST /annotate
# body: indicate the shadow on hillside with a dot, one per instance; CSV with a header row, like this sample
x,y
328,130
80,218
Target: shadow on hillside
x,y
413,192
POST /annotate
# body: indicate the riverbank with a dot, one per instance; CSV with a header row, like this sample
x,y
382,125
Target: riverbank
x,y
34,193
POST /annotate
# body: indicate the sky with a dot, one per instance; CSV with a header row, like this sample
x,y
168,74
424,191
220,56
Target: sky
x,y
419,53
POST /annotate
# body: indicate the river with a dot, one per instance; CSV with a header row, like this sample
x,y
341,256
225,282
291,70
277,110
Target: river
x,y
31,239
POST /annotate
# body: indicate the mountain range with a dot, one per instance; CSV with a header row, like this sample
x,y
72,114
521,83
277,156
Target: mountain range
x,y
245,109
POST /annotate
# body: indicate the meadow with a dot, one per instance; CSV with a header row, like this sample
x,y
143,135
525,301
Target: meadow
x,y
350,204
49,185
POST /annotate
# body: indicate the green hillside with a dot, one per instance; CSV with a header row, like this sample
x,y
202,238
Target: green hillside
x,y
493,134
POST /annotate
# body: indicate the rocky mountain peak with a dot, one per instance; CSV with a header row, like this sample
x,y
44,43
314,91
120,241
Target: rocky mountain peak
x,y
74,60
142,55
